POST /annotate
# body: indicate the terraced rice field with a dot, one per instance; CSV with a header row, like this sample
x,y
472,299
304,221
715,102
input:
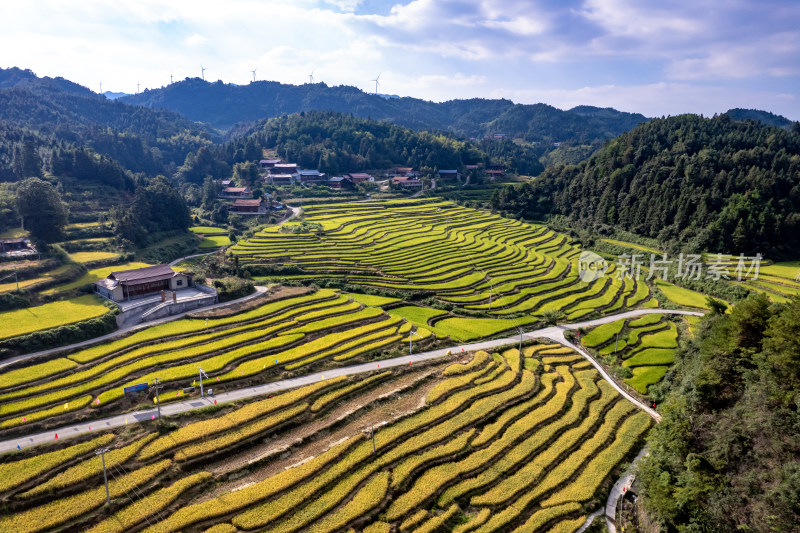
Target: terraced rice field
x,y
34,283
208,230
42,317
214,241
646,345
91,257
682,296
779,281
256,345
504,442
470,259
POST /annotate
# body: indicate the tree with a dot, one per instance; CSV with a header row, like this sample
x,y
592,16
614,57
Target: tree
x,y
246,174
156,207
27,163
552,317
718,307
209,192
43,213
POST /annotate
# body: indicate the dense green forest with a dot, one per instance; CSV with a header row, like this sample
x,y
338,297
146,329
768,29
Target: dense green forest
x,y
725,455
223,105
65,115
711,184
339,143
156,207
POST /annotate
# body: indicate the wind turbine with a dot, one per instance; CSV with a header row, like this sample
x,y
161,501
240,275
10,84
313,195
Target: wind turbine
x,y
101,87
377,82
170,79
311,77
203,72
137,87
254,73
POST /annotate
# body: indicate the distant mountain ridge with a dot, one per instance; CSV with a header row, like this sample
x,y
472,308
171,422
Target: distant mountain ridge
x,y
26,79
224,105
57,115
113,96
765,117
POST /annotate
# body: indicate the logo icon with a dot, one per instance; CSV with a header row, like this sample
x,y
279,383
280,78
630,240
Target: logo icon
x,y
591,266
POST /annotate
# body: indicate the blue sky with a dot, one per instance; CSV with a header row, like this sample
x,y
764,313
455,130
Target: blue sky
x,y
656,58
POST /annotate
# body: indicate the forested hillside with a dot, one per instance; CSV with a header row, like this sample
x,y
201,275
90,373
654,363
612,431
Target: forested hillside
x,y
66,116
223,105
724,457
338,143
709,183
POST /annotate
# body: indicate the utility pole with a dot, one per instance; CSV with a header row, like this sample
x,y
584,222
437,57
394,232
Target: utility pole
x,y
372,434
201,380
16,279
102,454
156,387
491,288
616,342
410,337
520,341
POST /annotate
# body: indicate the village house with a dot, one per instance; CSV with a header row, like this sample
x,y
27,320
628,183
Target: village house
x,y
248,207
141,282
14,245
449,174
406,172
280,179
310,177
495,174
267,164
232,193
283,168
340,183
408,183
360,177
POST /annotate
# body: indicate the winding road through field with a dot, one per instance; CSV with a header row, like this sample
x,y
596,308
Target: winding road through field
x,y
553,333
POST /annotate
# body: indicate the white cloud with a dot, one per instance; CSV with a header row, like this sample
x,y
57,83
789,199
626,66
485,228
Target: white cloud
x,y
344,5
656,53
196,40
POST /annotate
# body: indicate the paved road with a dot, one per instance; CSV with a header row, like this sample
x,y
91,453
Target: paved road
x,y
555,333
616,493
178,260
127,329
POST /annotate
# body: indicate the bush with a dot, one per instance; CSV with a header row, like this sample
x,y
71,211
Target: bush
x,y
233,288
14,300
